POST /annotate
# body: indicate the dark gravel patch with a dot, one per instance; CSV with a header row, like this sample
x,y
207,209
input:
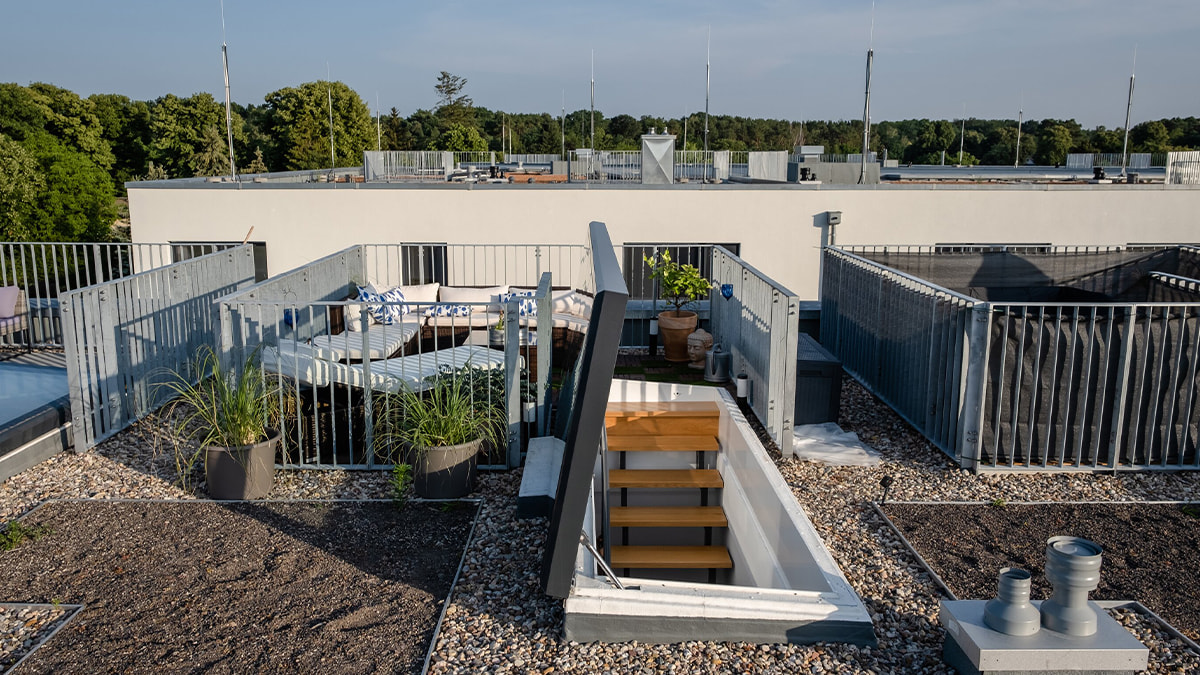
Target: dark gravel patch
x,y
1150,550
239,587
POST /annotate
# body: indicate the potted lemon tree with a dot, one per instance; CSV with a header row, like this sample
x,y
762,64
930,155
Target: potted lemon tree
x,y
440,431
680,286
228,419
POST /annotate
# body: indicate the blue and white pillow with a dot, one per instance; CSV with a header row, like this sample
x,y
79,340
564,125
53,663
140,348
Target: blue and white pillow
x,y
384,314
528,306
448,310
396,295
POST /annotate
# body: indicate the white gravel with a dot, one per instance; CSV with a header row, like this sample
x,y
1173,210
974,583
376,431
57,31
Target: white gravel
x,y
24,627
499,621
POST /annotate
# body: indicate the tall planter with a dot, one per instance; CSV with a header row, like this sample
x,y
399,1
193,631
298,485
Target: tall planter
x,y
675,326
446,472
243,471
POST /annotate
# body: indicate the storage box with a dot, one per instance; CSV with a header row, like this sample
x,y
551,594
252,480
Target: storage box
x,y
818,383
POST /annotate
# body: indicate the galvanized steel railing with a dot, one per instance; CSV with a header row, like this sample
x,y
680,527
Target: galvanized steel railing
x,y
334,427
1041,386
407,165
759,325
122,337
43,270
902,337
476,264
1183,168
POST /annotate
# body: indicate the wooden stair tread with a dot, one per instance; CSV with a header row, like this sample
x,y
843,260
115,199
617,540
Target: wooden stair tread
x,y
671,557
627,410
667,516
639,443
664,478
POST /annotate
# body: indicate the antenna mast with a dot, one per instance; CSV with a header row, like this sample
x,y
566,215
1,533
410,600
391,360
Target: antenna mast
x,y
378,125
1128,107
707,88
228,110
563,121
592,157
1020,122
866,142
962,135
329,94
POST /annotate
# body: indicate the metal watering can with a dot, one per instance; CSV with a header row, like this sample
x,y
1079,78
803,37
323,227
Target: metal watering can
x,y
717,364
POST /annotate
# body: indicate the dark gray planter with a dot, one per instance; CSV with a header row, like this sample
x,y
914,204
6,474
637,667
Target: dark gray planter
x,y
446,472
241,472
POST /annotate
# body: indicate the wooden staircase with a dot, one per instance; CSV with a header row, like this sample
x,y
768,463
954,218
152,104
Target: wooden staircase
x,y
671,426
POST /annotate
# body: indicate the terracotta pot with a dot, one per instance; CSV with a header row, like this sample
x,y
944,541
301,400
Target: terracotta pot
x,y
243,471
675,327
446,472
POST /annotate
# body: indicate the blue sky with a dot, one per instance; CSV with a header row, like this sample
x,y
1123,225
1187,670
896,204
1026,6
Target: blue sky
x,y
782,59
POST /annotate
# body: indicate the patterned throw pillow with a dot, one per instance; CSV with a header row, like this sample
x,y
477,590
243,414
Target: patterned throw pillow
x,y
384,314
396,295
448,310
528,306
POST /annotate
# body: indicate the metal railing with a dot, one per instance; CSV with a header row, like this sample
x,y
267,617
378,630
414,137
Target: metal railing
x,y
901,337
1134,160
476,264
388,166
606,166
124,336
43,270
1008,386
1183,168
531,158
478,157
758,323
337,420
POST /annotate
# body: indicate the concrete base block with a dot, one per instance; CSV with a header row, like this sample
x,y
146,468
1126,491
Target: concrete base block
x,y
974,649
539,482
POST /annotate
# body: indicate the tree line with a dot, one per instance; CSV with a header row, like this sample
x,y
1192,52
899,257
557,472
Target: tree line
x,y
64,158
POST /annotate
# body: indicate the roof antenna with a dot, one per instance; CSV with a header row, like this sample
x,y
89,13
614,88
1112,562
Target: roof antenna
x,y
1128,107
707,87
866,143
1020,123
329,94
228,111
378,124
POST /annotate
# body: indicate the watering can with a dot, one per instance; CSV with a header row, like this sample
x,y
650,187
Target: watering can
x,y
717,364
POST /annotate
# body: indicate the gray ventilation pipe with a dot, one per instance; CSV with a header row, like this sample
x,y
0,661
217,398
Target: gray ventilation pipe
x,y
1073,568
1010,612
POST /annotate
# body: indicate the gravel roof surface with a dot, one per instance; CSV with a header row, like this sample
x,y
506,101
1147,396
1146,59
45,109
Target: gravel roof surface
x,y
498,621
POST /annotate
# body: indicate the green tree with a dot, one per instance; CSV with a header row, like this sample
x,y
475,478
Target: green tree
x,y
1150,137
212,158
459,138
43,108
298,120
125,125
454,107
77,203
21,181
256,165
1053,142
180,130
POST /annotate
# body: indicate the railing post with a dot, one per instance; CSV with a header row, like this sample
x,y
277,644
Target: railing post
x,y
974,387
1121,389
512,381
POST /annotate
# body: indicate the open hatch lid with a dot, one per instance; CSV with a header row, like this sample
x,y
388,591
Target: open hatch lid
x,y
587,391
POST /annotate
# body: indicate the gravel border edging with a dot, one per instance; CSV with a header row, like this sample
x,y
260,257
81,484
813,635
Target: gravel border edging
x,y
462,560
72,611
937,580
1105,604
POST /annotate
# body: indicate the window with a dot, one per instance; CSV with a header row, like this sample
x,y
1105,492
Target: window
x,y
186,250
